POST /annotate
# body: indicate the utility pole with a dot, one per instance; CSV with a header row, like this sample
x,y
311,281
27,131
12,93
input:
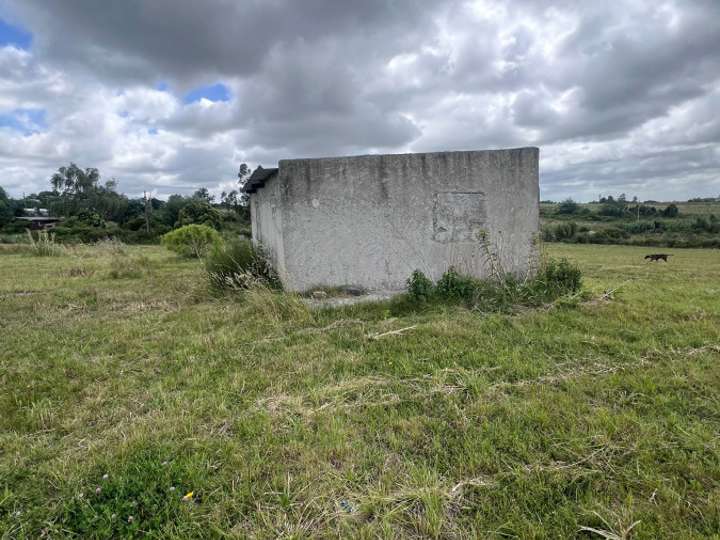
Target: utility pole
x,y
147,212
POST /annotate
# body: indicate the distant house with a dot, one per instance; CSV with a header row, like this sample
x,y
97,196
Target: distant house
x,y
39,218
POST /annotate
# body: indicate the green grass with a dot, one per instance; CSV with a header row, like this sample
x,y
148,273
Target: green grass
x,y
692,228
121,392
686,208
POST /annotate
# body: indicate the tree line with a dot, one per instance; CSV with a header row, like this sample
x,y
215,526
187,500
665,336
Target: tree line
x,y
92,209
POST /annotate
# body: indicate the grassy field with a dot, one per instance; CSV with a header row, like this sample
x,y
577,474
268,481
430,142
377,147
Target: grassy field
x,y
124,387
686,208
696,226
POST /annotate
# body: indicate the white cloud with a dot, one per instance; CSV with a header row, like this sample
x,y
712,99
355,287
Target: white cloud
x,y
620,97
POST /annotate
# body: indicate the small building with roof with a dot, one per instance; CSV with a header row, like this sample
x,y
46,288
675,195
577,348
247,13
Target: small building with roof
x,y
39,218
370,221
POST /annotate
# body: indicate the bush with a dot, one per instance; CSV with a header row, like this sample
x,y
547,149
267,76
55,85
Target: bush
x,y
568,206
556,278
671,211
562,232
639,227
611,235
239,265
565,231
142,236
192,240
454,286
553,280
420,287
13,238
547,234
15,227
84,234
709,224
200,212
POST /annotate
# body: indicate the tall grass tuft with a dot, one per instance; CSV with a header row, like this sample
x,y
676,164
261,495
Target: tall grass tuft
x,y
44,245
112,246
125,267
272,305
238,265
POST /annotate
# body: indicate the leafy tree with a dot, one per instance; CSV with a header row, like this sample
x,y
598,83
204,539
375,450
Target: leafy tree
x,y
171,210
244,174
671,211
6,208
90,218
199,211
73,180
568,206
204,194
232,201
78,190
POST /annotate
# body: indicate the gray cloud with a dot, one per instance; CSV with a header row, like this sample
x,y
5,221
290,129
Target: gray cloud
x,y
620,96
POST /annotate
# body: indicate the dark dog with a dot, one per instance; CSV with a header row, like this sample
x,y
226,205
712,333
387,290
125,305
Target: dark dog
x,y
658,257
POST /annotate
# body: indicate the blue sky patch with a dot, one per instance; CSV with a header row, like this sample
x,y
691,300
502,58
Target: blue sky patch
x,y
26,121
14,35
213,92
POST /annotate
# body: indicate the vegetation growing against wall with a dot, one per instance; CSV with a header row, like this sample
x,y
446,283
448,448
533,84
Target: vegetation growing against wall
x,y
238,265
554,279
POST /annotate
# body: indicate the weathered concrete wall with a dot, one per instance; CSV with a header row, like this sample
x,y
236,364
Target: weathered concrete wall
x,y
266,221
372,220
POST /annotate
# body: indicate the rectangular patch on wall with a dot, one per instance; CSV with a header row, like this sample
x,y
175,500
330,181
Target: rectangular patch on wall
x,y
459,216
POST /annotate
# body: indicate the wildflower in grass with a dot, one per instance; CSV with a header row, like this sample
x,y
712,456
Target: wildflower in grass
x,y
98,490
130,519
188,496
106,476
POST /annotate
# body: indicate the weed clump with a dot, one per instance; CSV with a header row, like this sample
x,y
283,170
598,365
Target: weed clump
x,y
44,245
142,491
420,287
239,265
123,267
557,277
273,306
553,280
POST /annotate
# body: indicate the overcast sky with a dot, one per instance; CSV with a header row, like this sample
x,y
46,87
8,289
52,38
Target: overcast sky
x,y
171,95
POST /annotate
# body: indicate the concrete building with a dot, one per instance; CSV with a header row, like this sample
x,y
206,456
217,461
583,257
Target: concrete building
x,y
369,221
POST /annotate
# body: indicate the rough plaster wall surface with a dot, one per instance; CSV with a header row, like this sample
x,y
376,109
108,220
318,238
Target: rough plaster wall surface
x,y
266,221
371,220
